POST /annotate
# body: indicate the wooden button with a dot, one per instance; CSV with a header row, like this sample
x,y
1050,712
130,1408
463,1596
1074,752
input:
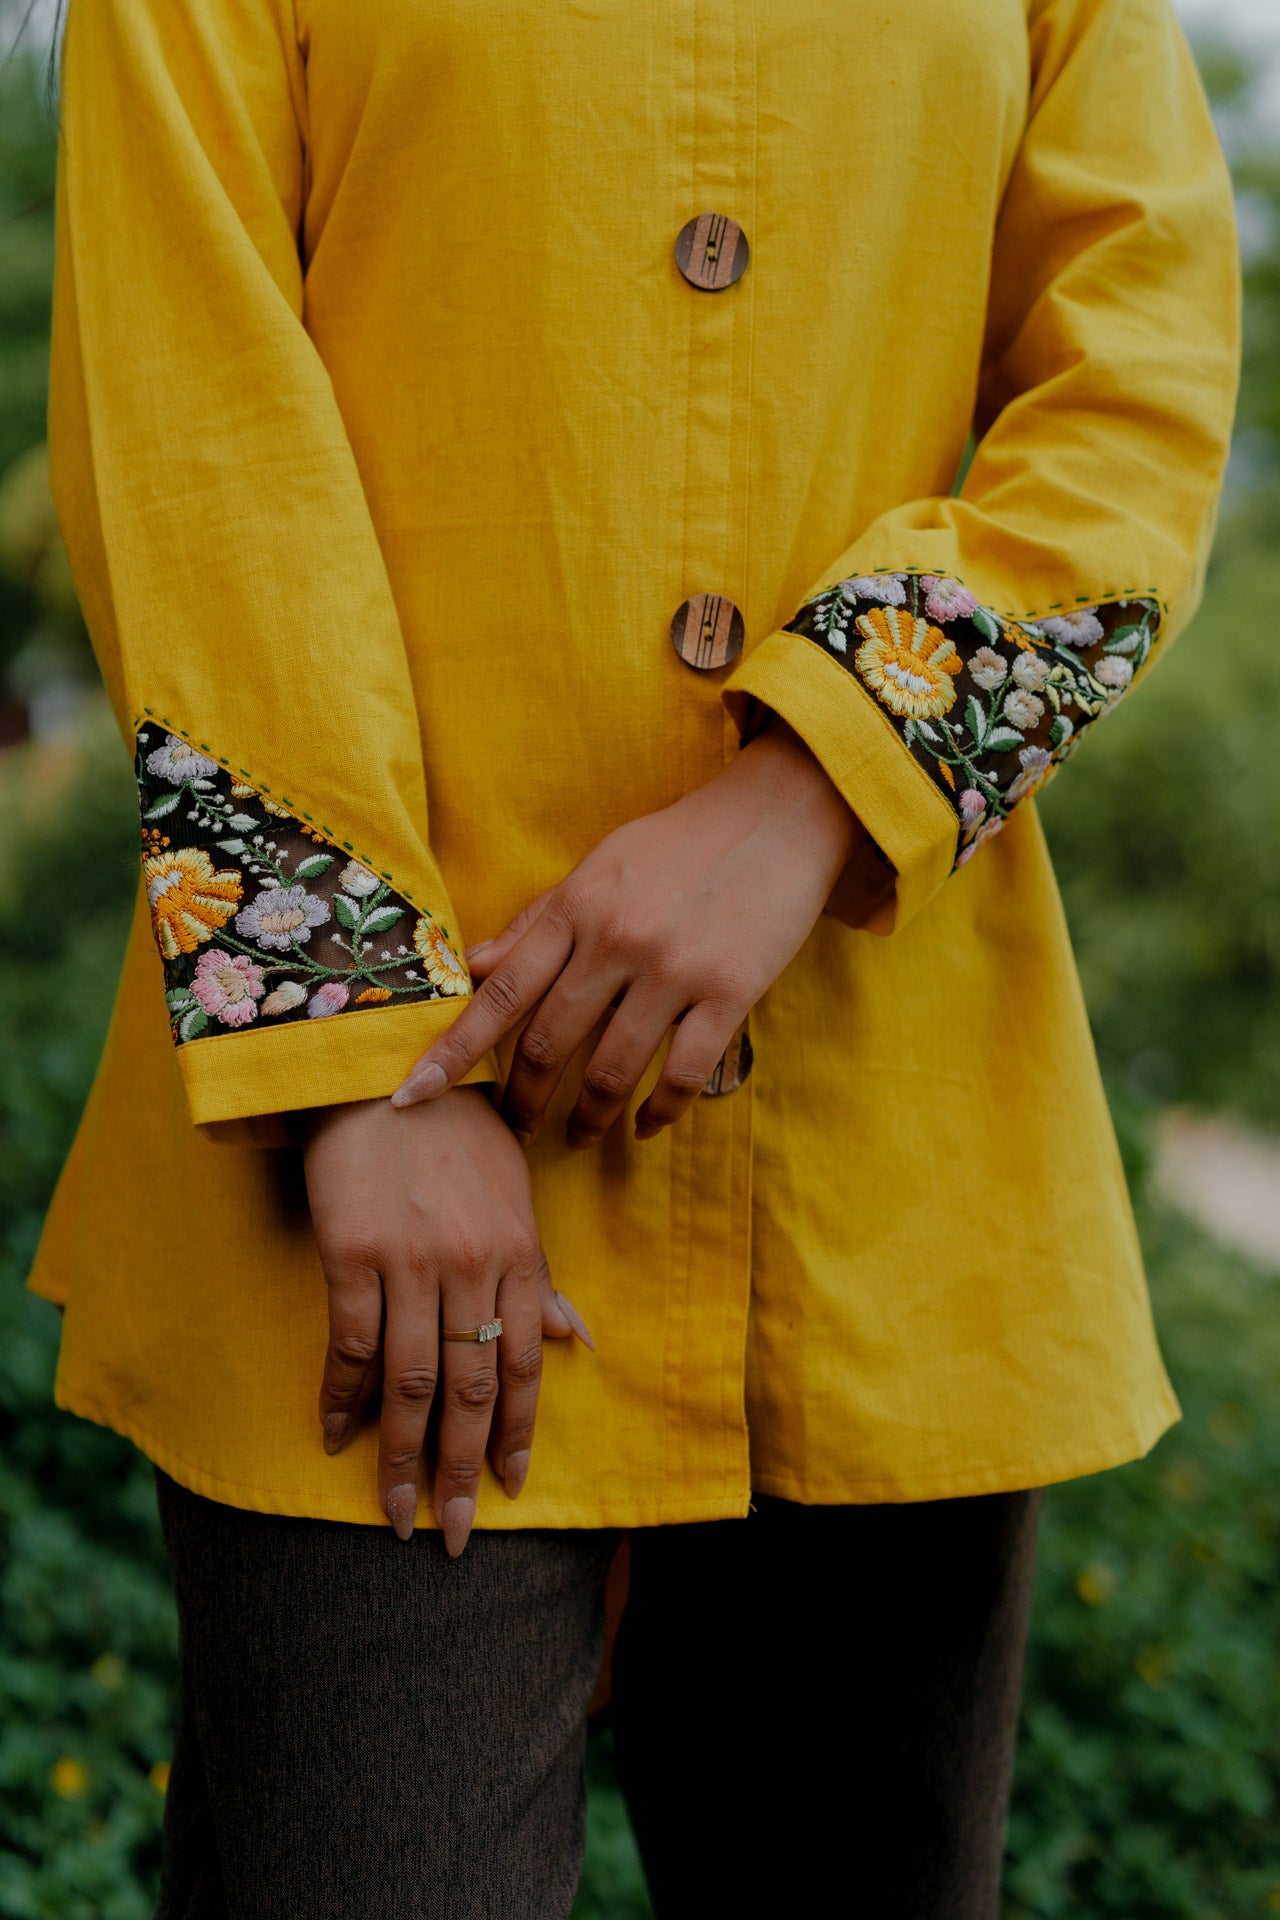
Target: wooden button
x,y
712,252
707,631
733,1066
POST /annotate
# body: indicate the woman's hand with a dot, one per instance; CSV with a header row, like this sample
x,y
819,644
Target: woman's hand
x,y
685,916
427,1215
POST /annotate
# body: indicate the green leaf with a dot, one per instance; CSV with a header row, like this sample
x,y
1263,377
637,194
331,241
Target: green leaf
x,y
1059,731
382,918
347,911
312,868
232,846
165,804
194,1023
975,715
988,626
180,1000
1004,740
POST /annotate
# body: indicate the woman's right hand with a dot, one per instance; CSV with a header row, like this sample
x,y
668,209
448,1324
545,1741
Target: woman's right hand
x,y
427,1212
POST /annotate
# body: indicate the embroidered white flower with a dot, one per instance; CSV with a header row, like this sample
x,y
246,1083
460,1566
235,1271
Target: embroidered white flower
x,y
1114,672
947,599
281,916
988,669
1082,629
1023,709
177,762
1036,763
358,880
888,588
285,998
1032,672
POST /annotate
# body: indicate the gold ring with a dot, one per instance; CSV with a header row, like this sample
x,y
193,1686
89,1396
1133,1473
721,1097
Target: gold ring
x,y
487,1330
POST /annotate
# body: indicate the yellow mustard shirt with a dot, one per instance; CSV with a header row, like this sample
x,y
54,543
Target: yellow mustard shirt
x,y
468,417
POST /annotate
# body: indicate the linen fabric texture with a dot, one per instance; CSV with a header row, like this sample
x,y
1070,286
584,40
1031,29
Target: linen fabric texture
x,y
387,437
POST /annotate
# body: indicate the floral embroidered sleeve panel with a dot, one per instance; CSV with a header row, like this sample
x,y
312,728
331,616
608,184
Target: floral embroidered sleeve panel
x,y
958,651
230,571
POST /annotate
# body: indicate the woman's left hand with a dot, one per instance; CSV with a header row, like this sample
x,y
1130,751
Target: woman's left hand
x,y
682,918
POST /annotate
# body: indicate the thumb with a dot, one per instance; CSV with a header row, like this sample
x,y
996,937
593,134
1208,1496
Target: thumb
x,y
488,954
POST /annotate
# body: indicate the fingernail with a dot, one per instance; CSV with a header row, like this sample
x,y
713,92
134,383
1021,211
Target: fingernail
x,y
581,1138
526,1139
420,1086
402,1505
479,947
456,1523
517,1472
575,1320
336,1428
647,1133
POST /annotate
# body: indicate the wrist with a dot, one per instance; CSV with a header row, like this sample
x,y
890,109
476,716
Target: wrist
x,y
790,776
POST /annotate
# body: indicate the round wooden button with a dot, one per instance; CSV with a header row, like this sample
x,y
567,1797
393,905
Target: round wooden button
x,y
733,1066
712,252
707,631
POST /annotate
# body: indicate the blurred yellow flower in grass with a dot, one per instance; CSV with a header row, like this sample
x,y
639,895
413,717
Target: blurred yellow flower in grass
x,y
1096,1583
1154,1665
110,1671
69,1778
1273,1898
159,1776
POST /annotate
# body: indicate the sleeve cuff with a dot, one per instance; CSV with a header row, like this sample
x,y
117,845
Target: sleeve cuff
x,y
862,755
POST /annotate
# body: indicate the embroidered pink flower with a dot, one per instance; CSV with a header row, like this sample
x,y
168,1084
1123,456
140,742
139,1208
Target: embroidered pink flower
x,y
332,997
1081,629
1031,672
947,599
285,998
984,833
177,762
972,807
280,916
1114,672
890,589
228,985
988,669
1021,709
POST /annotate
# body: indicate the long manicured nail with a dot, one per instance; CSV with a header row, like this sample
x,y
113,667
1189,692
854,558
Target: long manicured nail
x,y
575,1320
402,1504
456,1523
480,947
422,1085
517,1473
337,1427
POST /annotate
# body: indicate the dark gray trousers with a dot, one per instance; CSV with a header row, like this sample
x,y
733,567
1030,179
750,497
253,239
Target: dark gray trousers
x,y
814,1705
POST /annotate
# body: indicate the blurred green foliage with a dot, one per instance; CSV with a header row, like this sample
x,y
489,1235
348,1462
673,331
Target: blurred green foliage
x,y
1150,1766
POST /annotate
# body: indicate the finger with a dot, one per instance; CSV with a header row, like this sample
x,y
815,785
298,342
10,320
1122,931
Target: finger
x,y
696,1045
565,1020
351,1357
487,954
411,1362
499,1003
519,1359
617,1066
468,1393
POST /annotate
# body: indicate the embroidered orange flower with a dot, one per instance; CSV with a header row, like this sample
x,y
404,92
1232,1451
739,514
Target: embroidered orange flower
x,y
443,968
189,900
372,995
910,666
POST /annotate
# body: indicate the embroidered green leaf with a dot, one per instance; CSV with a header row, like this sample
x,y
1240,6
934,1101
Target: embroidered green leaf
x,y
929,733
232,846
380,919
975,715
193,1023
165,804
347,911
1003,740
243,821
988,626
312,869
1060,730
180,1000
